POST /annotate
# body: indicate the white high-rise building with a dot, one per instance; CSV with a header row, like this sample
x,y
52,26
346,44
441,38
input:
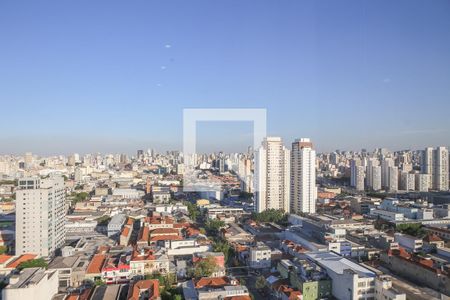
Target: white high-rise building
x,y
376,178
407,181
271,179
441,169
385,165
371,162
354,163
427,164
435,163
393,179
360,175
423,182
40,215
303,177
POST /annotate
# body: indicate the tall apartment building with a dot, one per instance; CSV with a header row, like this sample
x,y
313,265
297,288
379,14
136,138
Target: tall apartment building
x,y
360,175
393,179
40,215
371,163
271,179
435,163
427,164
376,178
303,177
385,165
354,163
441,169
423,182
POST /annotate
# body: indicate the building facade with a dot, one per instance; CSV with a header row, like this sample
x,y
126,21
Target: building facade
x,y
40,215
272,188
303,177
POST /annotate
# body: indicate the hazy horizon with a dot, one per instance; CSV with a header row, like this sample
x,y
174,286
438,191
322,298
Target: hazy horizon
x,y
109,76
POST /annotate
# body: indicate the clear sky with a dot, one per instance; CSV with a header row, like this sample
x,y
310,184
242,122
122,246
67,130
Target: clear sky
x,y
114,76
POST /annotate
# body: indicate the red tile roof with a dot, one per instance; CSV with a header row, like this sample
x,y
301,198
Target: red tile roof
x,y
4,258
125,231
212,282
164,231
21,259
96,264
144,234
150,285
147,255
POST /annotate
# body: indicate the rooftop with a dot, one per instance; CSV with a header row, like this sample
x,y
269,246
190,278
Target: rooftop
x,y
338,264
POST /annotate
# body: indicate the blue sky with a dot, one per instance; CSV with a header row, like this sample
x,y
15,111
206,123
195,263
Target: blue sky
x,y
114,76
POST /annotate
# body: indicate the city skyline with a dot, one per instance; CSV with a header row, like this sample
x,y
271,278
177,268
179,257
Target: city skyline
x,y
119,80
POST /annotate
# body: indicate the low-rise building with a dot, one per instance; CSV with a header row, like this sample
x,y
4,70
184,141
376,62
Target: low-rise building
x,y
260,256
212,288
350,280
385,290
115,224
144,289
32,283
408,242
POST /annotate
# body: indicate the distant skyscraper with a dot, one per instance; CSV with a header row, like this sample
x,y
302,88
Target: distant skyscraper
x,y
376,178
371,163
360,174
393,179
423,182
40,215
140,154
435,163
303,177
272,175
354,163
441,169
385,165
427,164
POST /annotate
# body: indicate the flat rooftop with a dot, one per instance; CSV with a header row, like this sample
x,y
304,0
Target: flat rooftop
x,y
338,264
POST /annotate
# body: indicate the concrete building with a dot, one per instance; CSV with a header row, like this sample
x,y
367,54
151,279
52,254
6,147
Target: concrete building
x,y
408,242
40,215
32,283
407,181
350,280
385,165
384,289
354,163
260,256
306,276
393,179
303,177
376,178
441,169
423,182
360,177
435,163
272,188
115,225
71,270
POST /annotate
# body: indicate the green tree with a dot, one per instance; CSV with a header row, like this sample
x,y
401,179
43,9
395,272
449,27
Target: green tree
x,y
414,229
213,226
270,215
3,249
205,267
193,210
260,282
99,282
33,263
